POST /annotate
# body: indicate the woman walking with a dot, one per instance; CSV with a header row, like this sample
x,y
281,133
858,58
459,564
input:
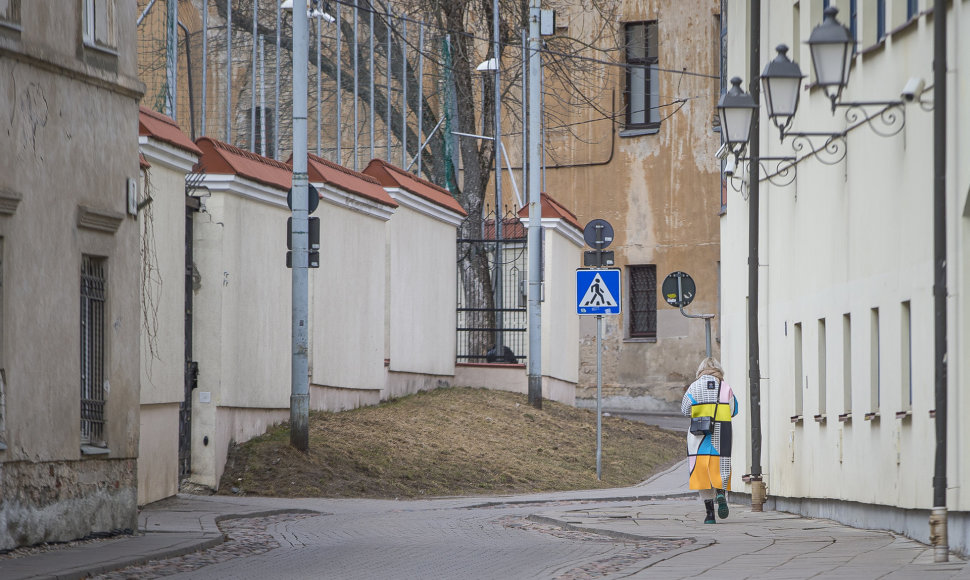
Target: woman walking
x,y
711,404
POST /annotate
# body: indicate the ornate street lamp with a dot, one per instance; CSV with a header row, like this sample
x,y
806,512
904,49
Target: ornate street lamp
x,y
735,109
831,45
782,82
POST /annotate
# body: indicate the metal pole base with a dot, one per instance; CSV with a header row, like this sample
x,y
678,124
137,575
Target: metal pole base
x,y
300,421
535,391
758,495
938,535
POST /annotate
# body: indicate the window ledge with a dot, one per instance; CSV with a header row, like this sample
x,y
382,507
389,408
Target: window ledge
x,y
6,24
639,339
820,418
873,416
845,418
639,132
92,450
796,419
88,45
932,413
903,415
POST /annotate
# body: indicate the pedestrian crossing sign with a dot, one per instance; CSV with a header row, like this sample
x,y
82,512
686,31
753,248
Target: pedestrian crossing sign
x,y
597,291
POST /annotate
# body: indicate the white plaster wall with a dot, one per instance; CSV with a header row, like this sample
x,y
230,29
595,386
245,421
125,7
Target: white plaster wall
x,y
422,293
347,301
163,329
560,323
256,320
845,239
241,329
158,450
163,293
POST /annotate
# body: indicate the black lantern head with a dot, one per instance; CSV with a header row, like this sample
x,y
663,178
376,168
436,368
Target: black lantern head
x,y
735,109
831,45
781,81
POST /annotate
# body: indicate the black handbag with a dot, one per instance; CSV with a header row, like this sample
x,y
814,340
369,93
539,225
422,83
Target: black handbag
x,y
705,425
701,425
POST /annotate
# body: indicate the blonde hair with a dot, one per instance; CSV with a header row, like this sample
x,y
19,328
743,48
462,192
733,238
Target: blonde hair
x,y
710,366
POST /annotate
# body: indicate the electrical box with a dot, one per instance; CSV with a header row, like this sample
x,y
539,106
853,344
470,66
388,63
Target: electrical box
x,y
547,22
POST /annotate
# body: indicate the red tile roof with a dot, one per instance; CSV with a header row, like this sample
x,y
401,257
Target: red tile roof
x,y
553,209
158,126
142,162
222,158
391,176
321,170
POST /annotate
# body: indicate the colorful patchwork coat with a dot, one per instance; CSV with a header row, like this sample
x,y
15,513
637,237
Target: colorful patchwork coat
x,y
709,456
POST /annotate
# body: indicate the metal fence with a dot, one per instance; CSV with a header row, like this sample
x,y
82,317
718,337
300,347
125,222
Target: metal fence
x,y
492,294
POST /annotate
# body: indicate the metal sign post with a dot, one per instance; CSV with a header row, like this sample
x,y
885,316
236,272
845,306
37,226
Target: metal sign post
x,y
598,293
678,290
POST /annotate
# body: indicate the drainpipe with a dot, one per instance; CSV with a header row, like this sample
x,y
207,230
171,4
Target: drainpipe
x,y
938,525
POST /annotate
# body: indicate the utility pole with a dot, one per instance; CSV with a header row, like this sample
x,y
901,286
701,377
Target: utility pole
x,y
299,379
535,210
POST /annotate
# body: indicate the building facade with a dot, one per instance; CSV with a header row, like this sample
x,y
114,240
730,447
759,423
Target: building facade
x,y
846,274
640,154
70,316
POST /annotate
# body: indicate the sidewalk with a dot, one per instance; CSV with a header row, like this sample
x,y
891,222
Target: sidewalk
x,y
780,544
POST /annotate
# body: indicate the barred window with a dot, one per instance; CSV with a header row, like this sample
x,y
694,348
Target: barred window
x,y
92,351
643,301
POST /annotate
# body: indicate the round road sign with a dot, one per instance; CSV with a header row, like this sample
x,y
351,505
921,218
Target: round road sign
x,y
678,289
598,234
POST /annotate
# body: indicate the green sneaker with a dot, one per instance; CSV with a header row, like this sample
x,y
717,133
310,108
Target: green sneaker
x,y
722,506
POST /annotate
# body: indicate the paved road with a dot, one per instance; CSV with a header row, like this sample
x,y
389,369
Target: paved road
x,y
654,530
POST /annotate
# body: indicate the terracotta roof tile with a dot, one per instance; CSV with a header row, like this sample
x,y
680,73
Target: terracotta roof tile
x,y
553,209
222,158
158,126
142,162
391,176
321,170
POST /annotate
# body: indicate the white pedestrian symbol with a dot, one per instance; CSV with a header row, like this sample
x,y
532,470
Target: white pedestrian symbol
x,y
598,294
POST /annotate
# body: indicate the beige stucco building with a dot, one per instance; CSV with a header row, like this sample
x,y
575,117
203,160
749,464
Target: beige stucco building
x,y
643,160
70,316
846,317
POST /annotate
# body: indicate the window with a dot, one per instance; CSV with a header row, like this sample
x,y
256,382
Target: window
x,y
822,369
10,12
880,20
846,365
643,301
797,415
912,9
97,23
906,357
873,364
92,351
641,95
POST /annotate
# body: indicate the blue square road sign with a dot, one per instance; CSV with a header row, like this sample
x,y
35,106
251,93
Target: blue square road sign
x,y
598,291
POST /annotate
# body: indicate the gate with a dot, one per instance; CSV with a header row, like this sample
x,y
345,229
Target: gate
x,y
492,293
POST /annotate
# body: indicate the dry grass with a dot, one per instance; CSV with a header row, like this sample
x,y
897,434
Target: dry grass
x,y
455,441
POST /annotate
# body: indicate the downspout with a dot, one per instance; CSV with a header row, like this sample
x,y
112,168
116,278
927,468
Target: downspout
x,y
938,523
